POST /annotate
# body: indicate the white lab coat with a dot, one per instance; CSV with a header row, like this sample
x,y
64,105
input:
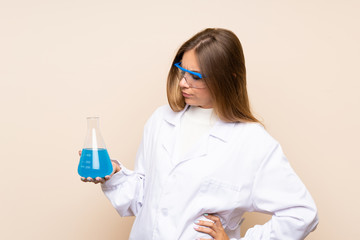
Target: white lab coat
x,y
236,168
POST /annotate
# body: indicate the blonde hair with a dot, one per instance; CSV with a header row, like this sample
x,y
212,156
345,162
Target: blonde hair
x,y
222,62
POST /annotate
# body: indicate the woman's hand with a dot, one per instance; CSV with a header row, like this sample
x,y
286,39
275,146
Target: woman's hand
x,y
116,168
214,229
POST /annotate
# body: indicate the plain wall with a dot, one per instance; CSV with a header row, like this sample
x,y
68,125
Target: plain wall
x,y
61,61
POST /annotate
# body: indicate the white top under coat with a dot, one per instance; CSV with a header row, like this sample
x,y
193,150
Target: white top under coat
x,y
195,123
235,168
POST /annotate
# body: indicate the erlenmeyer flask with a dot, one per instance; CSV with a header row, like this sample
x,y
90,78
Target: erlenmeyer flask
x,y
94,160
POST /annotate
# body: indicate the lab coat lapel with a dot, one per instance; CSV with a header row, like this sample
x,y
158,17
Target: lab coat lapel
x,y
172,130
170,137
220,132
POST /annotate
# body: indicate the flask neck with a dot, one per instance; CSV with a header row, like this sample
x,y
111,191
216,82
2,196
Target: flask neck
x,y
93,122
93,138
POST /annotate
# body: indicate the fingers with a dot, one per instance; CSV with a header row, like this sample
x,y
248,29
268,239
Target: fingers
x,y
95,181
86,179
99,180
205,227
80,153
89,179
212,227
216,219
205,223
116,167
206,230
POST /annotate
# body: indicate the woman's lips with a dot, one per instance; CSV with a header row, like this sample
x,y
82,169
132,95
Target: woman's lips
x,y
186,94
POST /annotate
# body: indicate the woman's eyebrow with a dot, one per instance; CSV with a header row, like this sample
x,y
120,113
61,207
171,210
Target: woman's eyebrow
x,y
197,71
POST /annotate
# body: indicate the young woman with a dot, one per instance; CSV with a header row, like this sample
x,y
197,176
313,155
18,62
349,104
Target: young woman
x,y
205,160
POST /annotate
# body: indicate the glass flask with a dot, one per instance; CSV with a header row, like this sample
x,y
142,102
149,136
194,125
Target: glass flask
x,y
94,160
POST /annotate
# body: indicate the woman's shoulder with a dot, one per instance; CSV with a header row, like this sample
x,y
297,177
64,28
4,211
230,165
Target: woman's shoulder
x,y
257,132
161,113
164,109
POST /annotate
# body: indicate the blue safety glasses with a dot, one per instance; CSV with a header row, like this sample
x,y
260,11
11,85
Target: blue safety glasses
x,y
198,75
193,79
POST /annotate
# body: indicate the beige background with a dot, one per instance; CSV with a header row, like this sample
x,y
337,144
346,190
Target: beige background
x,y
61,61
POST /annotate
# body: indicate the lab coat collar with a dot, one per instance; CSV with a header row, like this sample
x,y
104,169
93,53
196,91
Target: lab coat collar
x,y
174,118
221,130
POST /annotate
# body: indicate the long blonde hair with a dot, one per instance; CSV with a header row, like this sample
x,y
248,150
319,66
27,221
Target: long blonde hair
x,y
222,62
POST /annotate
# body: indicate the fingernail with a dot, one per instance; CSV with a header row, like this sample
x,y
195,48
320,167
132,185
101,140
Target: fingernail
x,y
197,222
205,214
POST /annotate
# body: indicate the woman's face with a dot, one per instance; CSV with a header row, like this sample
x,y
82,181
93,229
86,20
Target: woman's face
x,y
194,96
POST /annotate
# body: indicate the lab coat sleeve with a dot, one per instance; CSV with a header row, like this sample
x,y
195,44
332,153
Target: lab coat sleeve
x,y
125,189
277,190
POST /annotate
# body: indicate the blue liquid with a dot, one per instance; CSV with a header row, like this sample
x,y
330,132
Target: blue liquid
x,y
94,163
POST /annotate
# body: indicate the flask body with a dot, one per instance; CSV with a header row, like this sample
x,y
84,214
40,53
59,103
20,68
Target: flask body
x,y
94,160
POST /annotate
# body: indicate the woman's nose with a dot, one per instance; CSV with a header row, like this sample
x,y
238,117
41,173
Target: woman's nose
x,y
183,83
